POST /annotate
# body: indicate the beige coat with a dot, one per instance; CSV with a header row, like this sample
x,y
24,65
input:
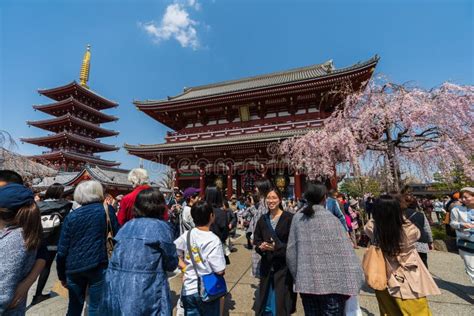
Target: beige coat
x,y
407,276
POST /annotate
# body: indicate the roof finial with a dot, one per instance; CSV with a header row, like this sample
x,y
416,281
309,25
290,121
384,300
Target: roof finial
x,y
86,64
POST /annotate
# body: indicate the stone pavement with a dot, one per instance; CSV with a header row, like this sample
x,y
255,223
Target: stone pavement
x,y
457,296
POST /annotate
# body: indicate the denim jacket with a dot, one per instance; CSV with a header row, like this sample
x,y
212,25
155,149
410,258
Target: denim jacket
x,y
136,282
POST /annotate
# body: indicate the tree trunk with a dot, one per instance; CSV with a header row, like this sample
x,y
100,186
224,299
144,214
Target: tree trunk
x,y
392,162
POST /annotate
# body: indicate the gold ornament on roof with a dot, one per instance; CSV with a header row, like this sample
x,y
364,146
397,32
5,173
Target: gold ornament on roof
x,y
86,64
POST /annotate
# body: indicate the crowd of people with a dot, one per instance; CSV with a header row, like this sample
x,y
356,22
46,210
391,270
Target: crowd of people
x,y
115,253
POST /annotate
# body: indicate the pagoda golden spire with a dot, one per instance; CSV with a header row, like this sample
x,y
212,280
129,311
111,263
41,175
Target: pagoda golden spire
x,y
86,64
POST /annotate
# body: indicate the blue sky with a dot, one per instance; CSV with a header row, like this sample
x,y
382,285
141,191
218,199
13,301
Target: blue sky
x,y
149,49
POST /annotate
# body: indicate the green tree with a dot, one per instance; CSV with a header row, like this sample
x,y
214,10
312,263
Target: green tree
x,y
455,181
358,186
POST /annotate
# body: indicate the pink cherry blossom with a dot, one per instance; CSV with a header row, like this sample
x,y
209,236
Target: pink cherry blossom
x,y
406,129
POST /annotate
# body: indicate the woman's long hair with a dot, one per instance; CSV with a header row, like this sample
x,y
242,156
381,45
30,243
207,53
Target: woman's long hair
x,y
29,219
314,195
388,217
264,186
214,197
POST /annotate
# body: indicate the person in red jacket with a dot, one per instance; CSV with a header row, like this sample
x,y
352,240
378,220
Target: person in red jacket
x,y
139,179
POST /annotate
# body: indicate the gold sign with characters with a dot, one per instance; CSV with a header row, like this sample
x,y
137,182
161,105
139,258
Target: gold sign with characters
x,y
280,182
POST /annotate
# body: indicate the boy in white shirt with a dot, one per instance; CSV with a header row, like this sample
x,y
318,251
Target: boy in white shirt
x,y
208,255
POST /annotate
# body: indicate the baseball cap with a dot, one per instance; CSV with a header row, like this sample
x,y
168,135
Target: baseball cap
x,y
189,192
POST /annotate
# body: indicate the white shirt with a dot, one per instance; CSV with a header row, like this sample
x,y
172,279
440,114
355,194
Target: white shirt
x,y
186,219
208,254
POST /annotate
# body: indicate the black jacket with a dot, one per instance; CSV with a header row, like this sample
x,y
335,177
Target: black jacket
x,y
273,268
418,219
273,259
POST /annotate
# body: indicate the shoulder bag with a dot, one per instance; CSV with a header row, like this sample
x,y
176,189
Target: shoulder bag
x,y
374,267
109,233
211,286
275,238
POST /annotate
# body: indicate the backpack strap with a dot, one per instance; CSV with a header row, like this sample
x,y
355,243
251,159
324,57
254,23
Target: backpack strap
x,y
190,251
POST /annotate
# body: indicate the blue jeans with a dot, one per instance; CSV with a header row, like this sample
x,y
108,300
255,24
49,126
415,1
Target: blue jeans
x,y
193,306
77,283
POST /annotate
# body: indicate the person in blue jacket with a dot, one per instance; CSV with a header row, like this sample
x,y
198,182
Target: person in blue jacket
x,y
136,282
332,205
82,254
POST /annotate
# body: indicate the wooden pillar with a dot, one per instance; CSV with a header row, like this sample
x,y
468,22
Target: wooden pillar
x,y
297,185
202,182
229,182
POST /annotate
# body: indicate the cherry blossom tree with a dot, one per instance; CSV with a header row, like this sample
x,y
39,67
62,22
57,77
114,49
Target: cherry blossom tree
x,y
401,128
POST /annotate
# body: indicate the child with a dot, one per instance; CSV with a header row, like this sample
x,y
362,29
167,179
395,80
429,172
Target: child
x,y
208,256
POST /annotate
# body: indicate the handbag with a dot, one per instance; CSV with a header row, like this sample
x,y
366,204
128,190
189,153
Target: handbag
x,y
109,234
352,307
465,245
211,286
374,267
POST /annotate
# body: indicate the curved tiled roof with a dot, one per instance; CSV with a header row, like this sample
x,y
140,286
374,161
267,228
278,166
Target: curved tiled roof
x,y
77,138
223,141
47,124
48,108
78,157
267,80
53,93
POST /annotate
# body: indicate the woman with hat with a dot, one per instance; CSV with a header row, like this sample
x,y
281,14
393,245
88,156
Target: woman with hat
x,y
462,220
20,237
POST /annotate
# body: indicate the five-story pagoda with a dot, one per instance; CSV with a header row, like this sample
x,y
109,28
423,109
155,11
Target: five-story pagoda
x,y
76,125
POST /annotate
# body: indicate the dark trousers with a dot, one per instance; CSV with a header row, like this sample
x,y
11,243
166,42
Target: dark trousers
x,y
43,278
77,283
424,258
249,241
324,305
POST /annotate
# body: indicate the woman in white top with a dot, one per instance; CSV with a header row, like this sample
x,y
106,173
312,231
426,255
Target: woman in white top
x,y
208,255
462,220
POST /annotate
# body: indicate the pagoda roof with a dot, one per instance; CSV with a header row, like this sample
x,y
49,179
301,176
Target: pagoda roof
x,y
273,80
66,103
105,175
75,88
69,136
49,124
77,157
26,167
196,145
108,176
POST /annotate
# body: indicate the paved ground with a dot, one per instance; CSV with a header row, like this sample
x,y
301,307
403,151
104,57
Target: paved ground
x,y
457,296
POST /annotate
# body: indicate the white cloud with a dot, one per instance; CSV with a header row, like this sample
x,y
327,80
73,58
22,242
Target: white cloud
x,y
176,24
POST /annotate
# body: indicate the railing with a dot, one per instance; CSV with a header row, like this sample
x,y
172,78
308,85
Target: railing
x,y
176,137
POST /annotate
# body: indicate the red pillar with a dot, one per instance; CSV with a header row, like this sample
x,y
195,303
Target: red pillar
x,y
229,182
176,180
297,185
202,182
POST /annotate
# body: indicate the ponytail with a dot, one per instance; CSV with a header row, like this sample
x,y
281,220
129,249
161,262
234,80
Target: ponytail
x,y
29,219
314,195
308,210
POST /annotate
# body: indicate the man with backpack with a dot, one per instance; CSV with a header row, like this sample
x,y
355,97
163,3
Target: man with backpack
x,y
53,211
